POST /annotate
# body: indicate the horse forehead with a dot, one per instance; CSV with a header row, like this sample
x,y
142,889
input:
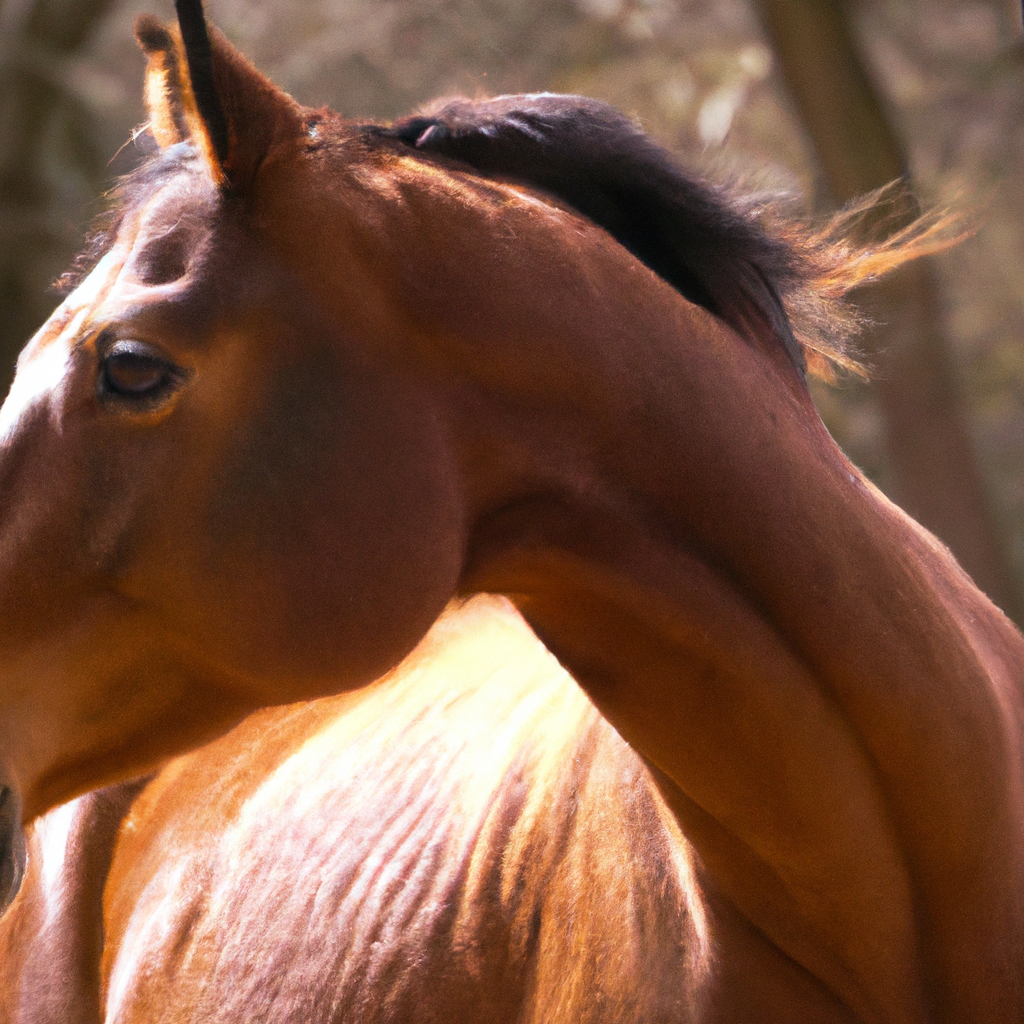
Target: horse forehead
x,y
43,362
177,212
184,206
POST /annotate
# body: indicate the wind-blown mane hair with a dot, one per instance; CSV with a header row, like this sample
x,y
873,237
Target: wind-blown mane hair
x,y
740,256
736,255
129,190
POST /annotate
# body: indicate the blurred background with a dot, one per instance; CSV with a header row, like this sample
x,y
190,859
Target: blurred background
x,y
819,99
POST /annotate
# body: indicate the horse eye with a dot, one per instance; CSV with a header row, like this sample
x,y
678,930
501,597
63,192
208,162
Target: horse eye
x,y
132,370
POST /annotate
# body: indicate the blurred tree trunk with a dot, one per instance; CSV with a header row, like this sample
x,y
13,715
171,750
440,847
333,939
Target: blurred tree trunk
x,y
48,166
936,473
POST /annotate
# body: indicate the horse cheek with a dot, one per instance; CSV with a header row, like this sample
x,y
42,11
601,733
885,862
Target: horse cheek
x,y
332,538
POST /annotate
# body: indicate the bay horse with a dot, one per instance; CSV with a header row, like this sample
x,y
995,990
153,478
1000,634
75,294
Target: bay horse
x,y
319,380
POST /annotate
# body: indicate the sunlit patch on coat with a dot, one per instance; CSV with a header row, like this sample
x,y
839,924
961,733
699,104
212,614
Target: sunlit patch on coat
x,y
53,832
474,793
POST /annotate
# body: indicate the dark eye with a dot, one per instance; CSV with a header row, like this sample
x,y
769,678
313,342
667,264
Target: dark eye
x,y
134,371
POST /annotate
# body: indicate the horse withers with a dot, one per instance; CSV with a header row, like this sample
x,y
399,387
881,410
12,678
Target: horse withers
x,y
321,378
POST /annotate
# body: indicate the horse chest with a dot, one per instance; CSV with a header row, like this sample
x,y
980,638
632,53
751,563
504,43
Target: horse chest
x,y
487,852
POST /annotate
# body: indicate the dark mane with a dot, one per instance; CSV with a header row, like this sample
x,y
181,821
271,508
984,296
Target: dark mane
x,y
707,245
735,255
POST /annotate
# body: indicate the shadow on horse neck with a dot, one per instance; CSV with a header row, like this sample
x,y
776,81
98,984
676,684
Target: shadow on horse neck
x,y
322,378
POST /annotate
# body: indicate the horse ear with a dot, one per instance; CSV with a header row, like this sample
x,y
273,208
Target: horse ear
x,y
200,89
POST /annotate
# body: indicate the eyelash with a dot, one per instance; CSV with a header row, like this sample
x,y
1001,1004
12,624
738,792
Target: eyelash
x,y
154,375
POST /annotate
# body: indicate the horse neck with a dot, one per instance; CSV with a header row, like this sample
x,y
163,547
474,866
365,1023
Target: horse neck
x,y
824,694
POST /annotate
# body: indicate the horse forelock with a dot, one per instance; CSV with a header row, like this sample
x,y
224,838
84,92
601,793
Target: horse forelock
x,y
129,193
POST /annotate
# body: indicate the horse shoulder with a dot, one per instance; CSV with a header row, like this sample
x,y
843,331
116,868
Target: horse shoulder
x,y
445,847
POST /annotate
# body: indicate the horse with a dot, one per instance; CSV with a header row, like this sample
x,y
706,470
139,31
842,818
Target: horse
x,y
319,379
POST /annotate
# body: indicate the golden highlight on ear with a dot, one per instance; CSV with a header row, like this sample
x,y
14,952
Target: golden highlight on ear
x,y
173,113
259,116
162,90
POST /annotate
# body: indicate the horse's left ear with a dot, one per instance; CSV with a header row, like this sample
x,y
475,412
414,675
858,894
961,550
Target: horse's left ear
x,y
200,89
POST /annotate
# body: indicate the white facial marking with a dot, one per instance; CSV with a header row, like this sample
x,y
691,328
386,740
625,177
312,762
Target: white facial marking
x,y
35,379
43,371
89,291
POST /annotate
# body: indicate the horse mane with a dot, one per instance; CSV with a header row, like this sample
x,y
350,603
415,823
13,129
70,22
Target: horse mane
x,y
739,256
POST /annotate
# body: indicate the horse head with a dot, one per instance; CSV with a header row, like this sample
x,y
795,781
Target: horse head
x,y
220,488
